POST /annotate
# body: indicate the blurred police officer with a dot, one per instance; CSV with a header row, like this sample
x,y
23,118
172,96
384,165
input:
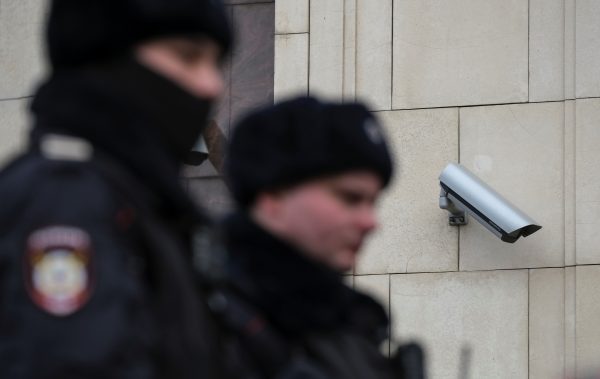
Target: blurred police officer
x,y
95,229
306,176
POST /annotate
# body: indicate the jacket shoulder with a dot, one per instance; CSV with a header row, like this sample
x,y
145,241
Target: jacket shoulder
x,y
34,186
346,354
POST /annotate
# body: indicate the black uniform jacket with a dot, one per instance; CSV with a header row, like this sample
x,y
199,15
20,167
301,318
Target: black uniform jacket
x,y
313,325
96,277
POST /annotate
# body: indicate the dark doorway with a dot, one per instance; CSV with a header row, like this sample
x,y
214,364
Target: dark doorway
x,y
249,77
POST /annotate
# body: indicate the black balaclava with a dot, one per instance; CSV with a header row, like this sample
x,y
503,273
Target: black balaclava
x,y
97,90
98,36
178,116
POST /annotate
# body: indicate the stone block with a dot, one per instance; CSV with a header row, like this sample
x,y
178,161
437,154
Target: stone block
x,y
570,159
587,48
587,316
414,234
570,54
21,62
374,53
327,48
546,323
211,194
472,325
291,16
14,123
252,61
459,52
291,65
546,50
349,92
518,151
587,181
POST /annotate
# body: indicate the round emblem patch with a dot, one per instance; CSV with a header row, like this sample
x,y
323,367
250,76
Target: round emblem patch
x,y
58,275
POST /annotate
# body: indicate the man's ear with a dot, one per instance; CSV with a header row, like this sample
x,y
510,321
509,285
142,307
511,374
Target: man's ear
x,y
267,211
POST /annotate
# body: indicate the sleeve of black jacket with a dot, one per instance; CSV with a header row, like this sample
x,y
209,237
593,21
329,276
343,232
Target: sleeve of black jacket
x,y
104,333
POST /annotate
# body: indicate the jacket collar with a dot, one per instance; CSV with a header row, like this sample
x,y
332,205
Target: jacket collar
x,y
295,293
81,104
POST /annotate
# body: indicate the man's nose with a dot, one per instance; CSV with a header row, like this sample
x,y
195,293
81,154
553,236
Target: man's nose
x,y
368,218
208,83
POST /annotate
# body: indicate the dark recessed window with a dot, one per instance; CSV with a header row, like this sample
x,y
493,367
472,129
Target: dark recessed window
x,y
249,76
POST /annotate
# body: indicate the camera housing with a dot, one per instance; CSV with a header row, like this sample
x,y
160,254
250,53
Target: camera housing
x,y
464,194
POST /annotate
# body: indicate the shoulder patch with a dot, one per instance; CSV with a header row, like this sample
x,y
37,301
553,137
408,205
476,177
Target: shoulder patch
x,y
58,273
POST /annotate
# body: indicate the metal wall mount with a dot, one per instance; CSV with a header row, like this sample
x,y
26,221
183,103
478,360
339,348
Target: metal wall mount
x,y
457,216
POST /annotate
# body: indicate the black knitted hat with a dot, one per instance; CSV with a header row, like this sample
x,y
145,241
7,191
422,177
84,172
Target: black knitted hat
x,y
302,139
86,31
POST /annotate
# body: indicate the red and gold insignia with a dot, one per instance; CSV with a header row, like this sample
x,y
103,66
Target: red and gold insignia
x,y
58,269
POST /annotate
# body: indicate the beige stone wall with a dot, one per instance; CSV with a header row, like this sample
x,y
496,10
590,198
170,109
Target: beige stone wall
x,y
511,90
21,67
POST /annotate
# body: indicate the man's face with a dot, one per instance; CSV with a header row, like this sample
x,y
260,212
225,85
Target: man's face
x,y
329,218
193,64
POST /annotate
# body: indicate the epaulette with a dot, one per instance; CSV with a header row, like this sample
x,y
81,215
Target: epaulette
x,y
66,148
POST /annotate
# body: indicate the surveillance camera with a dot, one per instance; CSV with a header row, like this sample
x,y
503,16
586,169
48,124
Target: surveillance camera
x,y
463,193
198,154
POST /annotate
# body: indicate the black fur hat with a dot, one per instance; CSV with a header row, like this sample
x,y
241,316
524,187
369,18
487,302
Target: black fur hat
x,y
302,139
86,31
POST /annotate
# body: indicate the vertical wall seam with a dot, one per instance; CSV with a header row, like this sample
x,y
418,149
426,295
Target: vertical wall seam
x,y
569,9
564,40
564,176
564,322
356,34
528,51
230,69
528,323
458,250
390,314
574,50
574,168
308,50
344,51
349,52
574,115
565,317
392,59
458,157
575,319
